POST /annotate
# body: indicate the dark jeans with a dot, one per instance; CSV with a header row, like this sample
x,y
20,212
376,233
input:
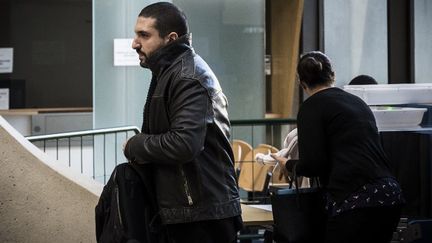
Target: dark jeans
x,y
372,225
209,231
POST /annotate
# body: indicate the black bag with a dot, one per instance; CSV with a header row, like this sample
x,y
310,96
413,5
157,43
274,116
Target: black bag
x,y
299,214
126,209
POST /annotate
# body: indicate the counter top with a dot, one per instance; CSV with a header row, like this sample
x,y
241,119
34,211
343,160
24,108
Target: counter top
x,y
256,215
406,129
35,111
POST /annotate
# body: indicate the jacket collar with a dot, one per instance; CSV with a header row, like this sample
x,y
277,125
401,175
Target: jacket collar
x,y
166,55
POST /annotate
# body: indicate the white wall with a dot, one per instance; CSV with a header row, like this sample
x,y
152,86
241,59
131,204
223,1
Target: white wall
x,y
119,92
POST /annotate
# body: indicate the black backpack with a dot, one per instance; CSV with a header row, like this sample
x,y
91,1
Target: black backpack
x,y
126,211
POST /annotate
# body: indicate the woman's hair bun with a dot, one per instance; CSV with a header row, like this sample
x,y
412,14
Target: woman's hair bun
x,y
314,68
313,65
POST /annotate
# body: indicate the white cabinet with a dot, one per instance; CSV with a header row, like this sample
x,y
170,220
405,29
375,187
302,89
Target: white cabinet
x,y
61,122
50,120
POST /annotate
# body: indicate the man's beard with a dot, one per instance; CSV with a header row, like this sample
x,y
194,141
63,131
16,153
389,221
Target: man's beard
x,y
143,62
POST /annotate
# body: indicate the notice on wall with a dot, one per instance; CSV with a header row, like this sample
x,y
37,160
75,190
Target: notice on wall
x,y
6,60
124,55
267,64
4,99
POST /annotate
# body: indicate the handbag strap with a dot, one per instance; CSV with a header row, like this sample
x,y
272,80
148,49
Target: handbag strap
x,y
297,190
296,184
295,179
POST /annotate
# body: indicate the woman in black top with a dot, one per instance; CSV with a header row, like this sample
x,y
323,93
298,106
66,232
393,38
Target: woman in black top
x,y
339,143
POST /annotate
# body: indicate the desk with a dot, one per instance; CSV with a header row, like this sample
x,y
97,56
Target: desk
x,y
410,155
253,216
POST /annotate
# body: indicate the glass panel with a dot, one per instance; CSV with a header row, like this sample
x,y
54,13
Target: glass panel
x,y
119,91
422,41
355,38
229,35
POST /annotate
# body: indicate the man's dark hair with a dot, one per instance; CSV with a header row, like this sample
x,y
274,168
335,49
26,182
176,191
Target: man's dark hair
x,y
363,79
169,18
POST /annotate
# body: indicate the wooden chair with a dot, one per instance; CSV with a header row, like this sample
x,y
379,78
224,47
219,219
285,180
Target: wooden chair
x,y
269,147
254,177
275,175
276,179
241,149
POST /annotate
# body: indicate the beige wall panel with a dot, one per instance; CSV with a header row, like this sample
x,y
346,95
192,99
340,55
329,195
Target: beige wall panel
x,y
286,26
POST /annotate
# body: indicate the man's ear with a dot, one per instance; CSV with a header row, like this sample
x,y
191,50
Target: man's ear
x,y
172,37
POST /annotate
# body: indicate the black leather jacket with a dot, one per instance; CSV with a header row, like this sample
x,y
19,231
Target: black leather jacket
x,y
185,139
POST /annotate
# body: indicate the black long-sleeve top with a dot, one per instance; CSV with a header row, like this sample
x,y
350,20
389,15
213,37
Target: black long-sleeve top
x,y
339,142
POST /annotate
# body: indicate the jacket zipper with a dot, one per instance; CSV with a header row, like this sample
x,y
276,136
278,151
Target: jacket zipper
x,y
118,207
186,187
116,190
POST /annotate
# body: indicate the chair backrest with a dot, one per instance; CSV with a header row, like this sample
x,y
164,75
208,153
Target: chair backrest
x,y
275,175
254,176
290,150
271,148
241,149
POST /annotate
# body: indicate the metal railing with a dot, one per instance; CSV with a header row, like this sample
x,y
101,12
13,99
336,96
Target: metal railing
x,y
87,142
98,151
255,131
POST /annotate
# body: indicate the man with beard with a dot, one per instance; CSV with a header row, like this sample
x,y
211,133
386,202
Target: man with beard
x,y
185,133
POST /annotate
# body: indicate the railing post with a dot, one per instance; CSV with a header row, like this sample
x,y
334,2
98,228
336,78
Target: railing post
x,y
69,152
104,161
115,148
94,163
81,149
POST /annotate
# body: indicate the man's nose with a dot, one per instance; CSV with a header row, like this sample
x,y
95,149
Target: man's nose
x,y
135,44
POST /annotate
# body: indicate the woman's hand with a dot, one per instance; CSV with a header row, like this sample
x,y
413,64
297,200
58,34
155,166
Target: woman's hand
x,y
283,171
281,160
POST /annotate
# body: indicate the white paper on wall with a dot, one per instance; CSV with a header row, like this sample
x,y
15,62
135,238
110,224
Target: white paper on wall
x,y
4,99
6,60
